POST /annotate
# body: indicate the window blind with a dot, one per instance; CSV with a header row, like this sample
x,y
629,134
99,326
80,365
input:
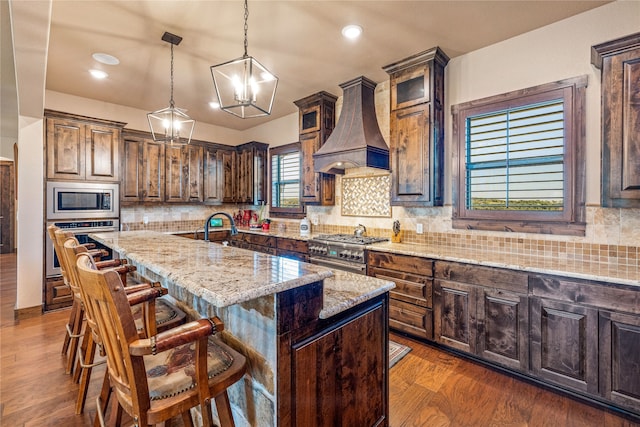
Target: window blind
x,y
285,180
515,158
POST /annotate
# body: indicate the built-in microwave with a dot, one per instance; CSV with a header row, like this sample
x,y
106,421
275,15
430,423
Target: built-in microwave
x,y
82,200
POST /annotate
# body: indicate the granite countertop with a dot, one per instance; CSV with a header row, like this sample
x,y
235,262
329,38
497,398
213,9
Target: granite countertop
x,y
619,274
272,232
224,275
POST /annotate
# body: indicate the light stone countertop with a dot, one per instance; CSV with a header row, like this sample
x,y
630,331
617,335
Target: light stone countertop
x,y
224,275
617,274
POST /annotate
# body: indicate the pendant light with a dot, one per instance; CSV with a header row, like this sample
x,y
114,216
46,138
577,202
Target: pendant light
x,y
245,88
171,125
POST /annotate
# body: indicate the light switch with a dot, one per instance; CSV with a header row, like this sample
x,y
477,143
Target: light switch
x,y
419,229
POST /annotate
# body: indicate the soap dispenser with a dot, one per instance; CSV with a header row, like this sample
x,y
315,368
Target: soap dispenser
x,y
305,227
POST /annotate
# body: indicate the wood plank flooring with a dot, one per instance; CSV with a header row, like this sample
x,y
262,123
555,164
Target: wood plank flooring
x,y
428,387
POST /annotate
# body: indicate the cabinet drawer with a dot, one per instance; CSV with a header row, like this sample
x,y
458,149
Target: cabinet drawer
x,y
404,263
57,294
256,239
410,288
483,276
293,245
414,320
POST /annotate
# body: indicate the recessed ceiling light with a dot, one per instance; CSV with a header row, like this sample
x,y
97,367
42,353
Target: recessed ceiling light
x,y
98,74
352,31
214,105
105,58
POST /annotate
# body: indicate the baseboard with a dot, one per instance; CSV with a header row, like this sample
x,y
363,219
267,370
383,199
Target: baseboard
x,y
26,313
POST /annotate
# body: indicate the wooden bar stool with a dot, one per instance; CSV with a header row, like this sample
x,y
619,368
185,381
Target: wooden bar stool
x,y
164,375
150,316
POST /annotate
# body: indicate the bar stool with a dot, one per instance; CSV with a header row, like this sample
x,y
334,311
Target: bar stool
x,y
164,375
150,316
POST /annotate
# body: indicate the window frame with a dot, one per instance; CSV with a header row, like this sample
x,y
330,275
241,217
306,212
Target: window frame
x,y
569,221
289,212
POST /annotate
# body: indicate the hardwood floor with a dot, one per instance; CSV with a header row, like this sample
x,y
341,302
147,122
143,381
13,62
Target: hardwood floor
x,y
428,387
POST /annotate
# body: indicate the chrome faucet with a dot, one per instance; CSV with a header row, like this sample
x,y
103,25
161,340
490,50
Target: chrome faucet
x,y
234,230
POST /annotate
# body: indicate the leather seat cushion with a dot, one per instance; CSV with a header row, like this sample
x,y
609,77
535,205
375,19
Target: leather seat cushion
x,y
173,372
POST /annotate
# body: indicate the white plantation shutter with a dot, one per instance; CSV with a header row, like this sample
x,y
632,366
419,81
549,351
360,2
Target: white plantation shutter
x,y
285,180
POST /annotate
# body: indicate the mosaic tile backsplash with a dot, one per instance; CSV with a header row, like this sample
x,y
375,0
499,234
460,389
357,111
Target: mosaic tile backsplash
x,y
366,196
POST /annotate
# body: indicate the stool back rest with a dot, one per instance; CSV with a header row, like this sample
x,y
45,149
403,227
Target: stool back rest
x,y
52,230
72,250
61,237
105,294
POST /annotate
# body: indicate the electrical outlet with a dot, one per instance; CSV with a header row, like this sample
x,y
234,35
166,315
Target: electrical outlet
x,y
145,220
419,229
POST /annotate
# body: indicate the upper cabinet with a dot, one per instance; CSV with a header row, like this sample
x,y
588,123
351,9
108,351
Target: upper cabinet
x,y
250,173
417,129
154,172
82,148
317,120
619,61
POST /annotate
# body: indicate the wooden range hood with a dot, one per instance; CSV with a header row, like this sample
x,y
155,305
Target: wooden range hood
x,y
356,140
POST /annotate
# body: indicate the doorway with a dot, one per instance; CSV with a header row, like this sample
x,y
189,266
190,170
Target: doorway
x,y
7,207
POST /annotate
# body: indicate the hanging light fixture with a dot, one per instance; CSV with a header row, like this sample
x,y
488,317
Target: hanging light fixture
x,y
245,88
171,125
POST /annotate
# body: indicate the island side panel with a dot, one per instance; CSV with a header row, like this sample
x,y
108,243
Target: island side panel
x,y
333,372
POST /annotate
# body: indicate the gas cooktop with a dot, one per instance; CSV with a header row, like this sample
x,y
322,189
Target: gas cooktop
x,y
349,238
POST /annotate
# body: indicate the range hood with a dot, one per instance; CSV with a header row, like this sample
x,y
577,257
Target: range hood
x,y
356,140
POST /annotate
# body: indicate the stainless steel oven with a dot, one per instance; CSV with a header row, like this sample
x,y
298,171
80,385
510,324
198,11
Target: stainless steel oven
x,y
82,200
81,229
341,251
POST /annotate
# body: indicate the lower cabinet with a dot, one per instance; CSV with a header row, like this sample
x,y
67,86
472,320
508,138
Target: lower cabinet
x,y
293,249
411,301
483,311
56,294
564,344
255,242
620,358
340,373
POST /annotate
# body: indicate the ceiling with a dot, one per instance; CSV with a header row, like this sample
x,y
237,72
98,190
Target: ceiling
x,y
298,41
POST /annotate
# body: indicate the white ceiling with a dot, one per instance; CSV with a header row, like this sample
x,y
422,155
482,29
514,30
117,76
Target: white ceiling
x,y
299,41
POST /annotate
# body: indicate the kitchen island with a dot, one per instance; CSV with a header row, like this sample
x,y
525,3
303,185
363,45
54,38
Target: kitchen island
x,y
316,340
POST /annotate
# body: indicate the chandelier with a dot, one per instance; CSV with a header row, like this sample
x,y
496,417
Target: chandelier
x,y
245,88
171,125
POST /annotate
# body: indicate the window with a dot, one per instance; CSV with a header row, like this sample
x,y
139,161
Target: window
x,y
285,181
521,160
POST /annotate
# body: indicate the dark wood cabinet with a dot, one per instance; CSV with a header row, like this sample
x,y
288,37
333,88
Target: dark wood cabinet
x,y
213,176
340,373
316,122
184,173
245,173
619,61
82,148
142,168
619,358
417,129
293,249
57,294
483,311
255,242
564,344
411,301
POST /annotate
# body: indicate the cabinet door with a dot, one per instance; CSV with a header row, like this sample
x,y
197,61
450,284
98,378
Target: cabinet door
x,y
259,177
503,328
153,171
620,119
245,176
175,164
410,156
65,149
620,359
102,162
564,344
130,186
229,172
213,176
193,173
454,315
343,375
